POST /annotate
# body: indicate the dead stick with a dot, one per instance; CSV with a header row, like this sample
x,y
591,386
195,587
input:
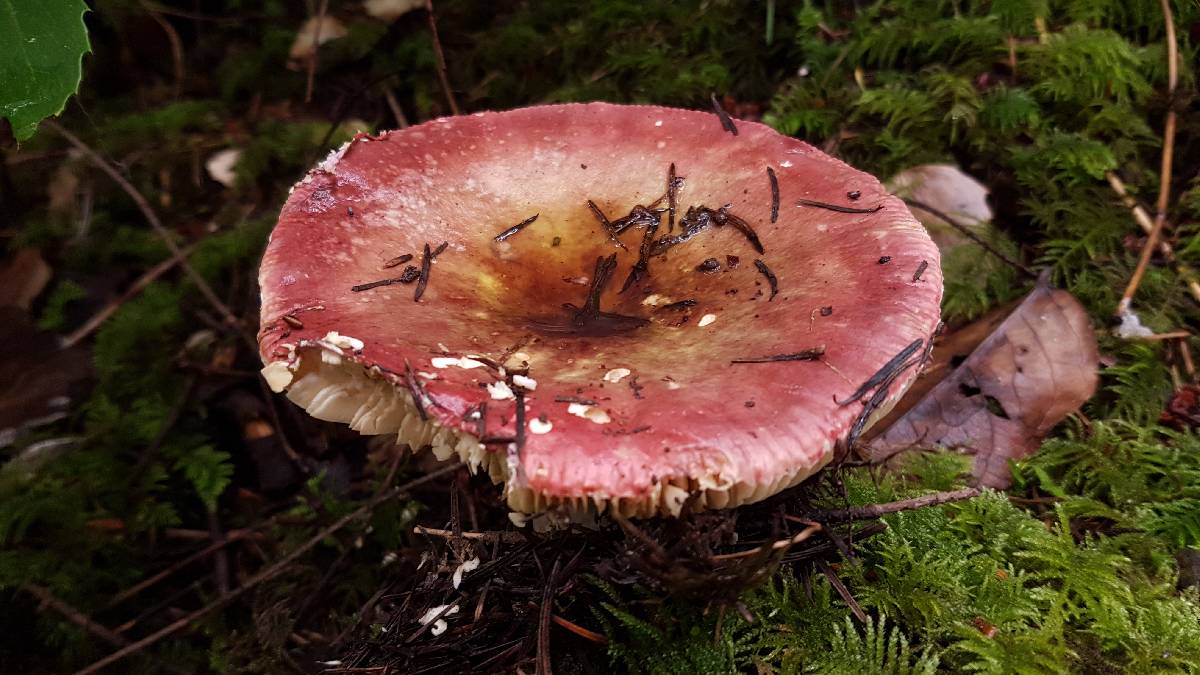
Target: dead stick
x,y
843,591
316,49
543,636
441,59
579,630
779,545
73,615
266,574
231,537
394,105
151,217
130,293
877,510
176,47
505,537
1147,224
972,236
1164,173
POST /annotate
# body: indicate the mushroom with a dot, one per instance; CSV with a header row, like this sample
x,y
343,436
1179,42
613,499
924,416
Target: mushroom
x,y
731,388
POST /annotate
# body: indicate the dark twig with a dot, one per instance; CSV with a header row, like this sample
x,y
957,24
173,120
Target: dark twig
x,y
414,388
230,537
885,372
220,555
877,510
130,293
844,592
772,280
966,231
517,228
409,275
805,355
151,217
726,121
426,267
73,615
311,69
673,185
836,207
547,610
441,60
774,194
270,572
176,47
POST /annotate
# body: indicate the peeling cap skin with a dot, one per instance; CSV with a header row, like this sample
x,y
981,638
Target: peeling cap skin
x,y
637,420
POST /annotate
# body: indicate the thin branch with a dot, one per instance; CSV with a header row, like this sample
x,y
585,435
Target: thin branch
x,y
966,231
1164,173
231,537
877,510
441,60
264,575
780,545
840,587
543,636
316,50
151,217
1147,224
394,105
579,630
130,293
176,47
73,615
504,537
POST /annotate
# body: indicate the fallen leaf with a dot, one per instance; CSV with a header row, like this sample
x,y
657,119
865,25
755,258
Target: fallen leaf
x,y
62,188
23,277
946,188
1183,408
314,33
36,377
1036,367
390,10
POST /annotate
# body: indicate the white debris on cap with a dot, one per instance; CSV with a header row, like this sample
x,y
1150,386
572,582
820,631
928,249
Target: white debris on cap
x,y
500,391
616,375
706,319
540,426
278,375
465,362
589,412
525,382
332,338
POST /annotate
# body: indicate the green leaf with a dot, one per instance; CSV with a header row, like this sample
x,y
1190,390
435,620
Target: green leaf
x,y
41,62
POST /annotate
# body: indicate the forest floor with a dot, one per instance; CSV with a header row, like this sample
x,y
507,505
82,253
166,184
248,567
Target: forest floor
x,y
162,510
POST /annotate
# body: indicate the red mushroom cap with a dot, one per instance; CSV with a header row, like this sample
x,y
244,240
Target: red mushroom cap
x,y
639,404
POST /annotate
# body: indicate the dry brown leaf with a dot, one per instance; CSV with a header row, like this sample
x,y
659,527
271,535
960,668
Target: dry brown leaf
x,y
36,377
1038,366
946,188
390,10
315,32
23,277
